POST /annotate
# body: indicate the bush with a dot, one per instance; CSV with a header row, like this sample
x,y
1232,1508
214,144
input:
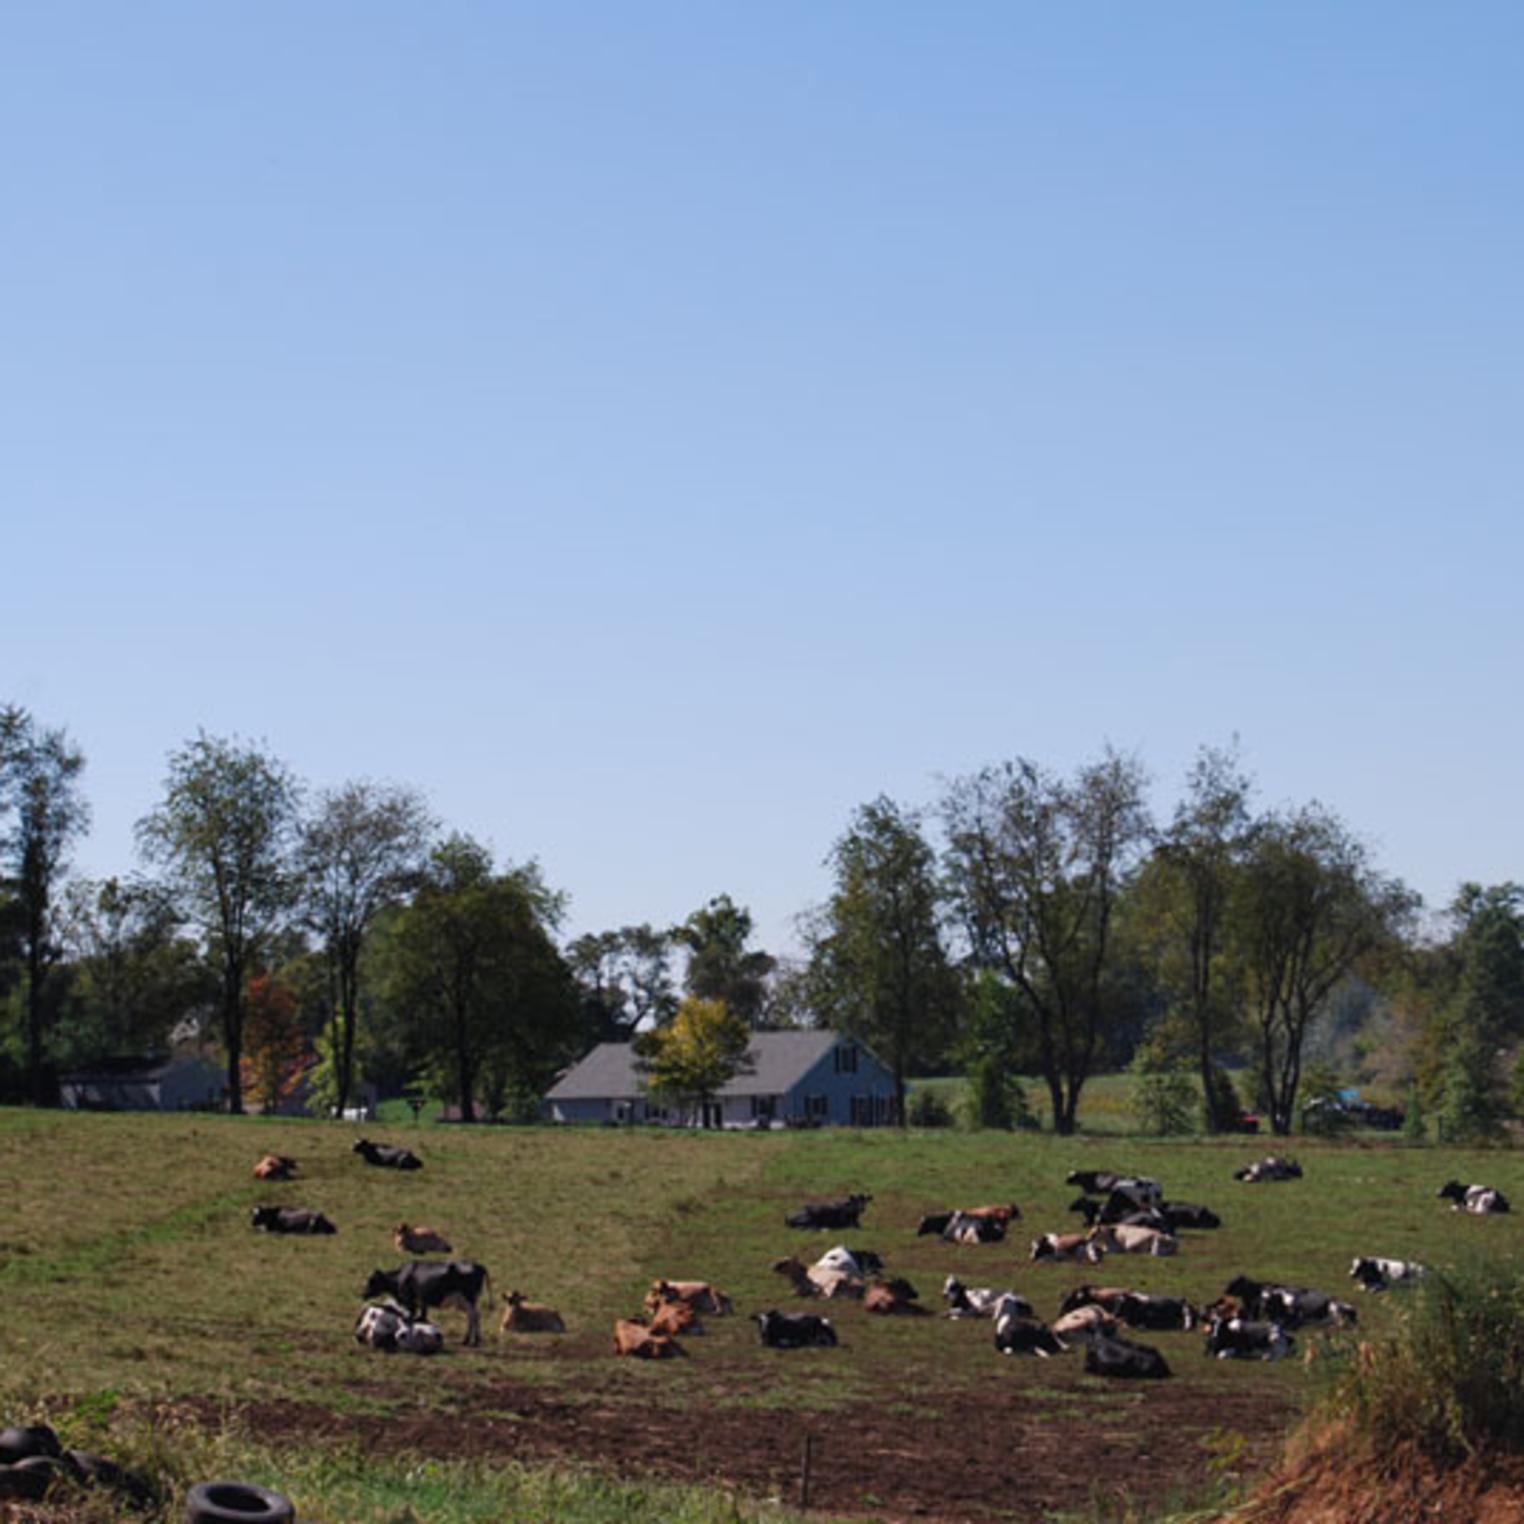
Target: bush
x,y
926,1108
1448,1379
1224,1118
1165,1102
989,1095
1415,1125
1469,1110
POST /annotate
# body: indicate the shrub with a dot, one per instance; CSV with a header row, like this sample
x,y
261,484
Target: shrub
x,y
1165,1102
1469,1110
926,1108
1228,1108
989,1095
1448,1378
1415,1124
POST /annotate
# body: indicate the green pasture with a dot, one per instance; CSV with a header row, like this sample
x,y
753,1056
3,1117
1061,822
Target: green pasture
x,y
131,1275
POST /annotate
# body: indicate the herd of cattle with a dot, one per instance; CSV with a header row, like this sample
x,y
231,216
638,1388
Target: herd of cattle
x,y
1123,1214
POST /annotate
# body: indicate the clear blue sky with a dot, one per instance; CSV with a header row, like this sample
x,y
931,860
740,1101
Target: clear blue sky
x,y
653,430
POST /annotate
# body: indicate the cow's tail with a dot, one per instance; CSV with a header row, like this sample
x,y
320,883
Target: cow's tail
x,y
486,1293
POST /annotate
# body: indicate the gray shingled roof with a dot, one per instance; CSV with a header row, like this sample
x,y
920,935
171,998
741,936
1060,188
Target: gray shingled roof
x,y
780,1060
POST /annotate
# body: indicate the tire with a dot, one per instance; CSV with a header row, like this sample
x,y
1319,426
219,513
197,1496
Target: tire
x,y
18,1444
236,1503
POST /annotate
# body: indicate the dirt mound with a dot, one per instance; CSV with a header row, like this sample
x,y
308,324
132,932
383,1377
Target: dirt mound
x,y
1338,1484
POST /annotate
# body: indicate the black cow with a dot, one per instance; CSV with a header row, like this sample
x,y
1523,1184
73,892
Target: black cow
x,y
387,1155
1139,1309
1104,1182
424,1283
1186,1214
934,1222
830,1214
794,1330
1117,1209
1247,1339
279,1219
1109,1355
1291,1306
1270,1168
1016,1335
1477,1199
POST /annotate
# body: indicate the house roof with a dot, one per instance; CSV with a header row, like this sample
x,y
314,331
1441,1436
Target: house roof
x,y
129,1069
779,1061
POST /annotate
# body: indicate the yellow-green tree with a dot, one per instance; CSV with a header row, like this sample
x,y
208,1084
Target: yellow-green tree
x,y
696,1055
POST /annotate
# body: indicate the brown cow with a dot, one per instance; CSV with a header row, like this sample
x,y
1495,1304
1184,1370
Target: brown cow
x,y
520,1316
699,1295
892,1297
811,1280
275,1167
411,1240
1005,1214
635,1339
674,1318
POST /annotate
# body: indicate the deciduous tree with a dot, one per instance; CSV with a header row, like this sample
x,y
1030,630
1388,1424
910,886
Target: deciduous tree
x,y
720,965
692,1058
222,836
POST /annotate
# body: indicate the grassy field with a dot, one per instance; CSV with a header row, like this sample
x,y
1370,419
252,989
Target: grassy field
x,y
132,1279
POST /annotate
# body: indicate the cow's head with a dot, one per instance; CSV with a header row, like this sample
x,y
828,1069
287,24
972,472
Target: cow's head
x,y
1452,1190
381,1283
364,1146
1242,1288
1043,1248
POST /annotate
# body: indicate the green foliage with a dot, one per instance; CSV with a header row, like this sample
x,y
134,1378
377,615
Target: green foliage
x,y
1229,1104
1166,1101
989,1092
1415,1122
720,966
696,1054
1470,1110
926,1108
1448,1378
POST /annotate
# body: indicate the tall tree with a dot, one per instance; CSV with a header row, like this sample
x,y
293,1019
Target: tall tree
x,y
39,790
1309,907
1036,865
491,1006
359,851
222,836
720,966
695,1055
879,969
1188,885
626,980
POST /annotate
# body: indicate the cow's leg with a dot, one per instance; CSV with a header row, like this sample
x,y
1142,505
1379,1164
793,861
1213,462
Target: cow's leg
x,y
473,1324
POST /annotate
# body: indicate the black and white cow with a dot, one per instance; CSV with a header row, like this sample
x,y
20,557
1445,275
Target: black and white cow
x,y
1477,1199
830,1214
1118,1209
1018,1333
1271,1168
1376,1274
387,1155
1292,1306
850,1261
1067,1246
279,1219
423,1283
1111,1355
1247,1339
1138,1309
1186,1214
1104,1182
966,1228
386,1325
979,1301
794,1330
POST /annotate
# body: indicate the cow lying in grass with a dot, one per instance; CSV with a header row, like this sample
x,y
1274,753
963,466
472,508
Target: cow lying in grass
x,y
275,1167
891,1298
844,1213
421,1284
1120,1209
1016,1333
1375,1274
1114,1356
850,1261
794,1330
387,1325
1137,1309
1292,1306
1127,1238
1478,1199
1236,1338
1058,1246
1271,1168
279,1219
699,1295
978,1301
811,1280
635,1339
523,1317
387,1155
415,1240
1081,1322
1104,1182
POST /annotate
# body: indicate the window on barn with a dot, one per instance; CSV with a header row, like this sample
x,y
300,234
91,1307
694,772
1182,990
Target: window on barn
x,y
817,1106
844,1059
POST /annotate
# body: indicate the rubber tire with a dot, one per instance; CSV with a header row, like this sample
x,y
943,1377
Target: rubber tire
x,y
18,1444
236,1503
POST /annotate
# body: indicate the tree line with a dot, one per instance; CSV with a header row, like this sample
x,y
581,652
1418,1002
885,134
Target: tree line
x,y
1026,922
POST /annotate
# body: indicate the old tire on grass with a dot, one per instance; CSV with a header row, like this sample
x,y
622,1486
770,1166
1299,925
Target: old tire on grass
x,y
236,1503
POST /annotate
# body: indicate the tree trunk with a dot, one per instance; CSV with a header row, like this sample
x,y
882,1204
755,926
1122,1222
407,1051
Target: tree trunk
x,y
347,1015
463,1069
1208,1089
34,978
232,1034
900,1119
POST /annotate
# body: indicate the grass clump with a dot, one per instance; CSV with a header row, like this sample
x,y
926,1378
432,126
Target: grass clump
x,y
1448,1378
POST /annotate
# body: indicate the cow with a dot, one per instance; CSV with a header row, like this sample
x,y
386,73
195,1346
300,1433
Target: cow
x,y
1006,1214
850,1261
387,1326
1137,1309
889,1298
279,1219
1375,1274
1104,1182
633,1338
1186,1214
1120,1209
1067,1246
1123,1238
964,1228
1247,1339
413,1240
275,1167
387,1155
674,1318
524,1317
1270,1168
793,1330
1293,1306
1016,1335
844,1213
1477,1199
1112,1355
811,1280
424,1283
699,1295
1093,1296
977,1301
1084,1321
